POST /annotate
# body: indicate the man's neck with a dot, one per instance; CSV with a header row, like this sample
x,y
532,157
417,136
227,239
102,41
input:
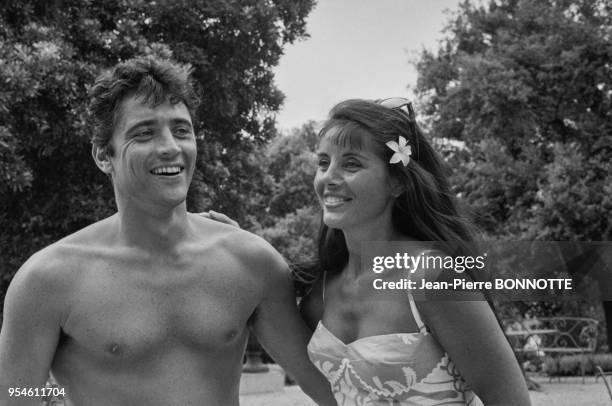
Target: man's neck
x,y
158,230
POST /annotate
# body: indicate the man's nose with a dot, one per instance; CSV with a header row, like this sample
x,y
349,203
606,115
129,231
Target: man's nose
x,y
167,144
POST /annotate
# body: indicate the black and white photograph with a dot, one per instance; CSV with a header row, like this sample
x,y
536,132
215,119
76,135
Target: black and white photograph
x,y
306,202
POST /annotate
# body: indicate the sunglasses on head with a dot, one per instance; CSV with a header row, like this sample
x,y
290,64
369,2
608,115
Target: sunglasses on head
x,y
399,104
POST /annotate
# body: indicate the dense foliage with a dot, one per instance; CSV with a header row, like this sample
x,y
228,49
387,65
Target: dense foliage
x,y
51,51
526,86
294,213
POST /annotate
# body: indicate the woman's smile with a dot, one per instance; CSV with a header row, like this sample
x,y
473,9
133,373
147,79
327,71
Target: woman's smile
x,y
333,201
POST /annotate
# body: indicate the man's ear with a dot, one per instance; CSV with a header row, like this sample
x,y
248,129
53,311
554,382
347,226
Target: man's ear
x,y
102,158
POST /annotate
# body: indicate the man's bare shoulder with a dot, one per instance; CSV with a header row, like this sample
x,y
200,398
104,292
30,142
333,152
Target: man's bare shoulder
x,y
244,245
57,264
256,251
45,278
92,236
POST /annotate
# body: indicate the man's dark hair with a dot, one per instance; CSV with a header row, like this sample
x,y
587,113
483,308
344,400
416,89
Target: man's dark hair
x,y
152,79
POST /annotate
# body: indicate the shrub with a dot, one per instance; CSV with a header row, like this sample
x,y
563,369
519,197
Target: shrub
x,y
569,365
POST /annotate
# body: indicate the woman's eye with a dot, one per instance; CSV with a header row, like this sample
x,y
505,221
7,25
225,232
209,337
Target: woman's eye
x,y
323,163
352,164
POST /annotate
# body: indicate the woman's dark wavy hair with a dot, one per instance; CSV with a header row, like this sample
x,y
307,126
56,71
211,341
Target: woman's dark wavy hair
x,y
426,210
152,79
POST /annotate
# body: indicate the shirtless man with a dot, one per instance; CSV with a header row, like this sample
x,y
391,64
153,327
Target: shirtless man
x,y
153,305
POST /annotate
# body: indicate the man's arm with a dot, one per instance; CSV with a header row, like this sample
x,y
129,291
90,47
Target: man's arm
x,y
284,335
30,331
311,305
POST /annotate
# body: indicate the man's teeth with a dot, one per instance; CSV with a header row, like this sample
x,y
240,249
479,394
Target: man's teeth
x,y
167,170
334,199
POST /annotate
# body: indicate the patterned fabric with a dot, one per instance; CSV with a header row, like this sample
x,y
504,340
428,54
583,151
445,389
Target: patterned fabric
x,y
391,369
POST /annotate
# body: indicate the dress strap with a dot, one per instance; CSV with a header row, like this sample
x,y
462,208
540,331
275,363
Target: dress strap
x,y
415,313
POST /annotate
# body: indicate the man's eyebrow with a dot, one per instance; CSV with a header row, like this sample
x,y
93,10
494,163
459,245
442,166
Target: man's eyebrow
x,y
175,121
152,122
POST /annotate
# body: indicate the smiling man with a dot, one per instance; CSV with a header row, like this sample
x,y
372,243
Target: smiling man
x,y
151,306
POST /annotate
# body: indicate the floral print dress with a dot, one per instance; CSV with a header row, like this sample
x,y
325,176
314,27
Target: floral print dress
x,y
391,369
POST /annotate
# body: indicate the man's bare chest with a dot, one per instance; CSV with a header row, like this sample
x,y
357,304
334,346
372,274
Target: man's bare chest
x,y
134,313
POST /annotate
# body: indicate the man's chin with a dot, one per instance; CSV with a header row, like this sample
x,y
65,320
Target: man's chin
x,y
171,200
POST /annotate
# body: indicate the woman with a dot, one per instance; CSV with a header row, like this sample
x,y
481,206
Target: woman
x,y
378,179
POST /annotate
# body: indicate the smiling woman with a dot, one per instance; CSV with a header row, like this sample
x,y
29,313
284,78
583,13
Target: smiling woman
x,y
379,179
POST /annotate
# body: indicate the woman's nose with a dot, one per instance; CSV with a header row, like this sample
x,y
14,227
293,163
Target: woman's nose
x,y
332,175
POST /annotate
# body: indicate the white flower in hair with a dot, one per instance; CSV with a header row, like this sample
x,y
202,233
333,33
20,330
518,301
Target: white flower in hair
x,y
402,150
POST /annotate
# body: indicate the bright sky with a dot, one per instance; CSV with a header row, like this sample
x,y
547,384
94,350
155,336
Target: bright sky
x,y
356,49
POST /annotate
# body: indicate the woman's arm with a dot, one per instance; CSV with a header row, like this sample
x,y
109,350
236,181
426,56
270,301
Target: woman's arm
x,y
464,324
470,334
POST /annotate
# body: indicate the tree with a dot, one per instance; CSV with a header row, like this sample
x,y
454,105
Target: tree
x,y
527,87
293,212
292,165
50,52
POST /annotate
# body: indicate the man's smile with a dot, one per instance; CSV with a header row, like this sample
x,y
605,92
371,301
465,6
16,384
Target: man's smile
x,y
167,170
